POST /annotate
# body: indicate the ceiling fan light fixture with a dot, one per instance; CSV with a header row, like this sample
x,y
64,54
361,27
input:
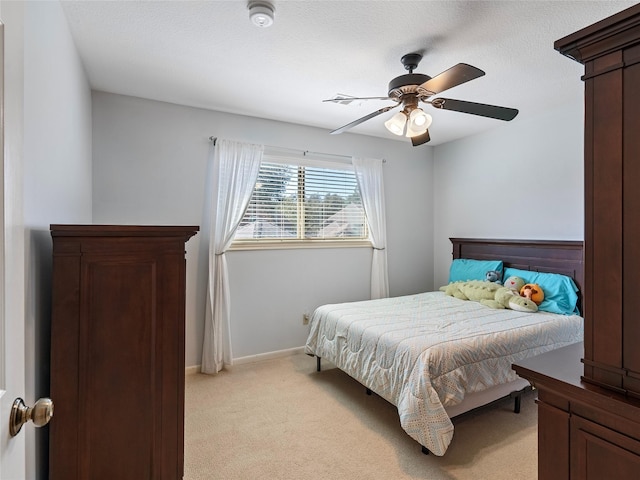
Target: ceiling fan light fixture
x,y
418,120
414,131
396,123
261,14
410,89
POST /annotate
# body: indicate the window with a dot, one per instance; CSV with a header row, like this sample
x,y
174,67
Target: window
x,y
303,201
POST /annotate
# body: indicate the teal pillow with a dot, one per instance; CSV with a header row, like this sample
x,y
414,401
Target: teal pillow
x,y
560,291
464,269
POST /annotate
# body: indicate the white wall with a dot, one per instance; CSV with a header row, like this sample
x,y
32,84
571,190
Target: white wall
x,y
150,165
522,180
57,99
48,179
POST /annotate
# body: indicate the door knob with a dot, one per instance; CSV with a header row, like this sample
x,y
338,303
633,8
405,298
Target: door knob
x,y
40,414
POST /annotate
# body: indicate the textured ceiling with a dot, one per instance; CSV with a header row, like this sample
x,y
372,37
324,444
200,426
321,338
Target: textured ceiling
x,y
208,54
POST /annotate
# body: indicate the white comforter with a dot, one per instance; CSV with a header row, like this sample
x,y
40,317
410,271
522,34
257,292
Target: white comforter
x,y
426,351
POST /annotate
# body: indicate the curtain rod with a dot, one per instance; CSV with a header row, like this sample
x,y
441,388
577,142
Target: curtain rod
x,y
304,152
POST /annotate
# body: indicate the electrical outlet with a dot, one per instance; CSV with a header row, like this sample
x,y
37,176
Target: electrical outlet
x,y
305,319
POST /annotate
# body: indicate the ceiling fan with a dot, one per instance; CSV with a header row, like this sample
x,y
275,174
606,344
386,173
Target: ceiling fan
x,y
410,89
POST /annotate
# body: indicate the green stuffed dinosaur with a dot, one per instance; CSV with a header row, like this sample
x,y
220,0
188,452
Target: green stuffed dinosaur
x,y
490,294
475,290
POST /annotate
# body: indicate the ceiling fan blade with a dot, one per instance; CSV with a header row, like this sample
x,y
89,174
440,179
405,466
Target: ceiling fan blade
x,y
481,109
420,139
456,75
347,99
363,119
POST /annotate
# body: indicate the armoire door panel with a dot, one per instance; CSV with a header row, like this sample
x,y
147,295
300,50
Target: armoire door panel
x,y
589,228
64,363
553,443
606,239
172,347
599,452
631,217
118,336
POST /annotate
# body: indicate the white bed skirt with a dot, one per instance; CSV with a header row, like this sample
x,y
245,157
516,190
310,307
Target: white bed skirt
x,y
479,399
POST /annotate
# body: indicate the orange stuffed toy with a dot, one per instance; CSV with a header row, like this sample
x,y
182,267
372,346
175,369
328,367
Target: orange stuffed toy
x,y
533,292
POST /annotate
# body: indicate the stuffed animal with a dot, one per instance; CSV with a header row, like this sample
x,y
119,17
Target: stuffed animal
x,y
475,290
508,298
494,276
533,292
490,294
514,283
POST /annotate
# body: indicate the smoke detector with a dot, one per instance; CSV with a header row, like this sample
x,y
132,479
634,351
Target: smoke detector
x,y
261,14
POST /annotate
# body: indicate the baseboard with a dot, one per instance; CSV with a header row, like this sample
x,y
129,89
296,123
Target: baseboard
x,y
268,356
254,358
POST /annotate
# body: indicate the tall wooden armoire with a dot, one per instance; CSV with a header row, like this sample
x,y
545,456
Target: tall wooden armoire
x,y
589,398
610,52
117,352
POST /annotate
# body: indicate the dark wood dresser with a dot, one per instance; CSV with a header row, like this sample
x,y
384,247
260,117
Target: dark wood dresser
x,y
589,395
584,430
117,352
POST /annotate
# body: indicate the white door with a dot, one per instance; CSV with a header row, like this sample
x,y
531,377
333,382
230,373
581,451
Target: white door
x,y
12,287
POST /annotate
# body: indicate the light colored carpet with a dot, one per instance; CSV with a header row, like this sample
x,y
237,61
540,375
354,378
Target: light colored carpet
x,y
280,419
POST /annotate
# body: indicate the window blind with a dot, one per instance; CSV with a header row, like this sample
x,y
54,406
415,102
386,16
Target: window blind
x,y
296,201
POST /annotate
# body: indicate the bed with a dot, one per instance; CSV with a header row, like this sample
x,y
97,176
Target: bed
x,y
434,356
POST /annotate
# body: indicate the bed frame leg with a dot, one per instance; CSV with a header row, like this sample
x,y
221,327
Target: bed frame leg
x,y
425,450
318,366
517,400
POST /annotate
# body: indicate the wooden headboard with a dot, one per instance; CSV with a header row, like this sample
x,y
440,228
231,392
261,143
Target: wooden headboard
x,y
554,256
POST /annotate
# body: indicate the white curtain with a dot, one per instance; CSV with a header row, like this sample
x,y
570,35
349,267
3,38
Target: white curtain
x,y
369,176
235,171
